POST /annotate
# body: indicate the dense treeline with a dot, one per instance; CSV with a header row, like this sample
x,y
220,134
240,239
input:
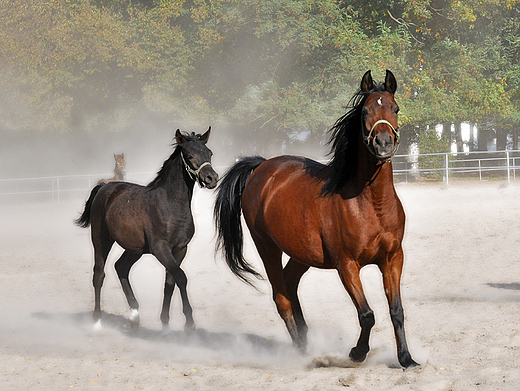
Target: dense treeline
x,y
263,70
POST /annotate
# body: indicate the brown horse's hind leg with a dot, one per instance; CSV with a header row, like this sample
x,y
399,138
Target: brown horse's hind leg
x,y
123,266
293,272
349,273
272,258
391,279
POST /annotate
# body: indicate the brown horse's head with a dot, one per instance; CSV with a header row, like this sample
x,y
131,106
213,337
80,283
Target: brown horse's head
x,y
120,163
379,116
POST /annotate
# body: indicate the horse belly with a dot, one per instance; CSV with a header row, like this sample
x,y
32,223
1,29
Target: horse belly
x,y
125,224
279,212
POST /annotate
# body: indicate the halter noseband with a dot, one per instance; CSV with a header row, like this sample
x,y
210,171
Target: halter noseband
x,y
194,174
368,137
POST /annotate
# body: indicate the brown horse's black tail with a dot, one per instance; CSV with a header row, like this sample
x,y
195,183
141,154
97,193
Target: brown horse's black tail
x,y
84,219
227,212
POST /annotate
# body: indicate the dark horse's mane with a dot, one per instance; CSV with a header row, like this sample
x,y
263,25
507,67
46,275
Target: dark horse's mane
x,y
344,136
166,168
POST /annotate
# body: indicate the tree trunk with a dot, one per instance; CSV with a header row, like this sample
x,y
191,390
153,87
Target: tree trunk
x,y
501,139
458,138
471,137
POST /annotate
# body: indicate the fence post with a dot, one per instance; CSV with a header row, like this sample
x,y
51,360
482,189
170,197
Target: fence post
x,y
58,187
508,167
447,170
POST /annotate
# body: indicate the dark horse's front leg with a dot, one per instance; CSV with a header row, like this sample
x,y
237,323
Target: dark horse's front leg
x,y
175,276
392,280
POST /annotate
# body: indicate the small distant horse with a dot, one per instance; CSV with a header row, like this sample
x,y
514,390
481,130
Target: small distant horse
x,y
343,215
154,219
119,170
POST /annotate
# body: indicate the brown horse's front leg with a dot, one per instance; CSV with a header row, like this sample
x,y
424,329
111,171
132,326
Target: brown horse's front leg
x,y
349,273
392,280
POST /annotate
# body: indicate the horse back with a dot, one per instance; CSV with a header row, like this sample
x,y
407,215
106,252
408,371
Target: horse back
x,y
137,217
283,202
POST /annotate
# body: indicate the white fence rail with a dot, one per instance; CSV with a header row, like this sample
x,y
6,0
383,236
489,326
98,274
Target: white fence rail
x,y
446,167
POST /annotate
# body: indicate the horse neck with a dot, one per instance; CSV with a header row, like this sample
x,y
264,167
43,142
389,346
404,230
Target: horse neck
x,y
178,181
118,174
372,176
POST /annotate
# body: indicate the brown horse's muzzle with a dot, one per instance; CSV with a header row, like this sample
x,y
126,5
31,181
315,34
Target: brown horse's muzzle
x,y
383,145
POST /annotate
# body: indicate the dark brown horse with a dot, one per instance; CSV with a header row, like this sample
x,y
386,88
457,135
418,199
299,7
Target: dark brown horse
x,y
343,215
154,219
119,170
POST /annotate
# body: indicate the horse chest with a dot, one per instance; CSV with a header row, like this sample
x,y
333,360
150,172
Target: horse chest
x,y
362,232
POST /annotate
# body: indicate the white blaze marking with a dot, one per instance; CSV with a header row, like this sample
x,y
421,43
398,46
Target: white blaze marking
x,y
380,102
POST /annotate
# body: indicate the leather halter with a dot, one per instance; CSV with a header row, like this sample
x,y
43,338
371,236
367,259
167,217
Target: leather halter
x,y
367,139
194,174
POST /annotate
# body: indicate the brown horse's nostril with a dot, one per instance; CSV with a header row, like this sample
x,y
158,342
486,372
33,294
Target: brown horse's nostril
x,y
384,141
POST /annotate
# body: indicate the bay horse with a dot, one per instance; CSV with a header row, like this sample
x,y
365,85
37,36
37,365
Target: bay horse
x,y
154,219
343,215
119,170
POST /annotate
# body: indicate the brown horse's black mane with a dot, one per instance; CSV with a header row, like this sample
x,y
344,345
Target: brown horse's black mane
x,y
164,172
344,136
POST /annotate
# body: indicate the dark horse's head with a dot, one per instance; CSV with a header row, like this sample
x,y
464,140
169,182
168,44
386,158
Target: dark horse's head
x,y
196,157
379,116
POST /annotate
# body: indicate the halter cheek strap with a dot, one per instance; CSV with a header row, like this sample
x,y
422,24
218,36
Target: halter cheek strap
x,y
194,174
368,137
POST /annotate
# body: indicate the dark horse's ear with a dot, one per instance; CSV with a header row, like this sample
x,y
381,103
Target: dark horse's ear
x,y
204,138
390,82
179,137
367,83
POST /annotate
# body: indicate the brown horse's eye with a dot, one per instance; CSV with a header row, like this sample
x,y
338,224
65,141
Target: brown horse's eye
x,y
396,110
364,113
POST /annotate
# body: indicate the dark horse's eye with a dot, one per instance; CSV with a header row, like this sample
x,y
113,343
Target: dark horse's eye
x,y
364,113
396,110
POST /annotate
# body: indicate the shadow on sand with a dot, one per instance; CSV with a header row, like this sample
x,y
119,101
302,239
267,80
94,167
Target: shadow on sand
x,y
220,342
515,286
196,338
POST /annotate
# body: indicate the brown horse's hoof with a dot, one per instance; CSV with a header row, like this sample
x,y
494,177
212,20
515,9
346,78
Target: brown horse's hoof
x,y
357,355
408,363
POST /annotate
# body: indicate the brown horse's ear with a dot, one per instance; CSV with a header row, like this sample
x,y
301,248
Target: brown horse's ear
x,y
179,138
367,83
204,138
390,82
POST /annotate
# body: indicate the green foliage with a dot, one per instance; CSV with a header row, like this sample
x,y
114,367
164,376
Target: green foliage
x,y
265,69
430,144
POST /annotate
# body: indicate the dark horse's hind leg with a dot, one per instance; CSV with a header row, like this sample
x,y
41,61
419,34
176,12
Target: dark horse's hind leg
x,y
292,273
169,286
123,266
349,273
102,242
174,275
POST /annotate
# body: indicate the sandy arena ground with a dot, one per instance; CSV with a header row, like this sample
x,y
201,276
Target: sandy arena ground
x,y
461,293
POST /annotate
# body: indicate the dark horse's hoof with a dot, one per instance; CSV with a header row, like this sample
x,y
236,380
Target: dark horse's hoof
x,y
189,328
358,355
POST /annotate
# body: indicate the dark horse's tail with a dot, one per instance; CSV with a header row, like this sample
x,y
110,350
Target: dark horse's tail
x,y
84,219
227,214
